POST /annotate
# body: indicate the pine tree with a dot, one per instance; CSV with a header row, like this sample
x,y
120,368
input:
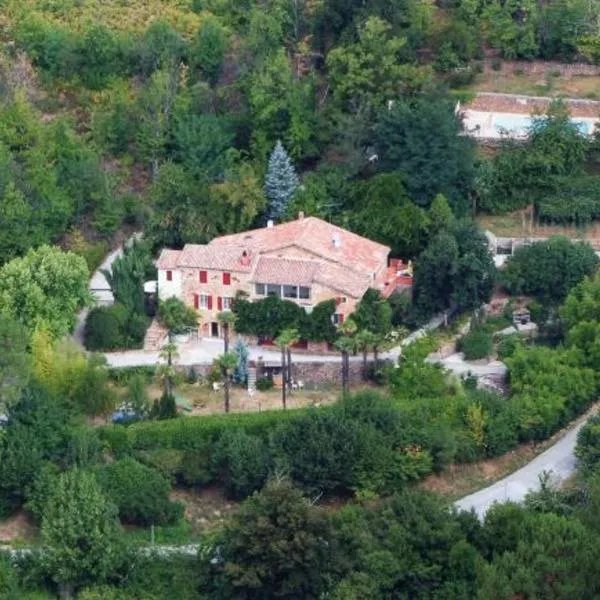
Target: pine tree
x,y
240,374
281,182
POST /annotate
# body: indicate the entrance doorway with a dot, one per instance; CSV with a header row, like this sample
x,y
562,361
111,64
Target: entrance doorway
x,y
214,329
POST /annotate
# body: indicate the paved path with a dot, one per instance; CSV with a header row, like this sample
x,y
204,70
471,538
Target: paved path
x,y
99,288
206,350
559,460
457,364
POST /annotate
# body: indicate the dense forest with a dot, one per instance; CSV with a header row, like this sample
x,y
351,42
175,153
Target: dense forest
x,y
163,117
191,119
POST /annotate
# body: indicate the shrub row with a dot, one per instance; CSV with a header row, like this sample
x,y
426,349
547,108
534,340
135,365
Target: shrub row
x,y
369,442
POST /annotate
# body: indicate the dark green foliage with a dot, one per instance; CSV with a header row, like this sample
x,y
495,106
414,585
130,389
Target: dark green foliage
x,y
269,317
164,408
242,462
318,326
407,543
549,269
264,553
15,362
176,316
476,344
264,383
456,268
208,49
552,557
420,139
588,445
508,345
39,429
318,451
550,166
128,274
373,313
140,493
382,211
114,328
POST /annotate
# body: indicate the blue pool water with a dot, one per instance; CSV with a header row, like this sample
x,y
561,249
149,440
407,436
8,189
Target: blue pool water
x,y
520,124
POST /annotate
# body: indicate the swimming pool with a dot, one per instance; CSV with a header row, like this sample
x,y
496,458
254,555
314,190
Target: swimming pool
x,y
519,125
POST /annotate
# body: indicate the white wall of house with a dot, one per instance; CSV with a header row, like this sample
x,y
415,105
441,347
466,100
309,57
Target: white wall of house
x,y
166,288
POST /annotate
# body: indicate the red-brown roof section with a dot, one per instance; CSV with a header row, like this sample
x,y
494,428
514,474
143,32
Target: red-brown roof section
x,y
316,236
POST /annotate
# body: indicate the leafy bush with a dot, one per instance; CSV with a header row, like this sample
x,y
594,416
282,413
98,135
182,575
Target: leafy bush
x,y
264,383
508,345
588,445
548,270
140,493
476,344
242,463
114,328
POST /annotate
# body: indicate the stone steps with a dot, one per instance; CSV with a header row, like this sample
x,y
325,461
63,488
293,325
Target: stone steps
x,y
155,336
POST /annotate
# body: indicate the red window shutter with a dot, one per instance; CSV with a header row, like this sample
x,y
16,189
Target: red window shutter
x,y
169,275
338,300
341,318
196,301
203,276
210,303
220,303
226,278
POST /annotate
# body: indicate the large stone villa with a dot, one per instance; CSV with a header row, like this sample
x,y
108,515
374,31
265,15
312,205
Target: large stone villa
x,y
306,261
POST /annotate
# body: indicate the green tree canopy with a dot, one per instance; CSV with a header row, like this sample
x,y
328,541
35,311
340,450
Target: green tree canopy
x,y
549,269
421,138
45,288
276,546
80,534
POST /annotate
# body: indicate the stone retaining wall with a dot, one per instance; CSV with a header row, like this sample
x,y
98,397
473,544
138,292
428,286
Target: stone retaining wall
x,y
315,374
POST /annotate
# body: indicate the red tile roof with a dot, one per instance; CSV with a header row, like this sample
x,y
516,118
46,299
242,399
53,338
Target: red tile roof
x,y
285,271
317,236
343,280
223,258
168,259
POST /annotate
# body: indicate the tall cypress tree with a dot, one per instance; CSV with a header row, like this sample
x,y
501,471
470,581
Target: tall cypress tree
x,y
281,182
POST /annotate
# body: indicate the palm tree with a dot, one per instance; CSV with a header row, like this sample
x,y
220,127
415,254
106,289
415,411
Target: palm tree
x,y
285,340
226,364
365,339
166,372
227,320
346,344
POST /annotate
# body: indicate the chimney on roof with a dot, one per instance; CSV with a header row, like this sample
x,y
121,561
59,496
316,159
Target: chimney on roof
x,y
336,240
245,259
301,215
270,224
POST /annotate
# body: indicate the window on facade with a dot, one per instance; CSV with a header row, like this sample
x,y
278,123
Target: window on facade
x,y
337,319
203,276
227,302
290,291
169,275
273,290
204,301
259,289
226,278
304,293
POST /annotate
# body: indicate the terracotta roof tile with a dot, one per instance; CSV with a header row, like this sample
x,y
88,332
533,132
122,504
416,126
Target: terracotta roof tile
x,y
283,271
224,258
317,236
168,259
343,280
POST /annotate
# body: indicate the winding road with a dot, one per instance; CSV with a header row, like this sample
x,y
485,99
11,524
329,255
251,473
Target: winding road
x,y
558,460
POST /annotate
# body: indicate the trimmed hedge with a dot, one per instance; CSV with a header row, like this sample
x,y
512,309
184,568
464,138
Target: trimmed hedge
x,y
193,433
